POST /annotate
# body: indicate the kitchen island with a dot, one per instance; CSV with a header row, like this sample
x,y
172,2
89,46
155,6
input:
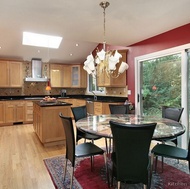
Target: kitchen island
x,y
47,123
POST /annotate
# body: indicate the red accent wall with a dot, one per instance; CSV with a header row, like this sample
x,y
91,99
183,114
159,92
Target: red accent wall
x,y
176,37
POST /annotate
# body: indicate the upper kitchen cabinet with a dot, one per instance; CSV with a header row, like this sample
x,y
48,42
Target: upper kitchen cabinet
x,y
11,74
60,75
56,75
78,76
104,80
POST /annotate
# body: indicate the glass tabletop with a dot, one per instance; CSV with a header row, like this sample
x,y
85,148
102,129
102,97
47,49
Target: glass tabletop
x,y
99,125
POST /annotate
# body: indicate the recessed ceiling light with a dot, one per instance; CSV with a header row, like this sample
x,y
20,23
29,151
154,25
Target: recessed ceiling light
x,y
77,44
41,40
71,54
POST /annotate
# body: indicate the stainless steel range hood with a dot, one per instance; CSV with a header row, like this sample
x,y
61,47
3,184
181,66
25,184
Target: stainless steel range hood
x,y
36,72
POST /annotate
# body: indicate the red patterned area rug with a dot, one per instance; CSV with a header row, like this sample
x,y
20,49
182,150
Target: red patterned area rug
x,y
175,178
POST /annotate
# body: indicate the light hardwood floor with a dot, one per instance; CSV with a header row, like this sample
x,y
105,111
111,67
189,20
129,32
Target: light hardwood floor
x,y
21,158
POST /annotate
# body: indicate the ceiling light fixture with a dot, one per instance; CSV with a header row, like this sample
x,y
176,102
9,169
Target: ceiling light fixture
x,y
105,61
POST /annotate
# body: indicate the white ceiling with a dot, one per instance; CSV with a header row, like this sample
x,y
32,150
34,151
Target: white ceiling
x,y
81,21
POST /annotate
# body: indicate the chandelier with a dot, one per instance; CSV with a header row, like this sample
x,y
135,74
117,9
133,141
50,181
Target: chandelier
x,y
105,61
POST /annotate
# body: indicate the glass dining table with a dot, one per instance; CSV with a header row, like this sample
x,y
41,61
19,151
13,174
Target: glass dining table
x,y
99,125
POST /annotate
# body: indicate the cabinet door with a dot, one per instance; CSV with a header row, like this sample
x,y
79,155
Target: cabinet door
x,y
15,111
121,80
97,108
29,111
83,77
66,76
78,76
15,74
20,112
56,75
75,71
2,112
80,102
4,73
10,112
104,80
71,101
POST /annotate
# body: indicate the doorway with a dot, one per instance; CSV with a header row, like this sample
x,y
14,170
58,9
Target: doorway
x,y
162,78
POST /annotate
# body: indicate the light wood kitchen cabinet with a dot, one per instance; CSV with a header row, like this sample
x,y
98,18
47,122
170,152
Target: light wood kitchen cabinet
x,y
78,76
15,111
47,123
56,75
60,75
70,101
66,76
28,111
103,107
79,102
2,112
11,74
98,110
74,102
105,80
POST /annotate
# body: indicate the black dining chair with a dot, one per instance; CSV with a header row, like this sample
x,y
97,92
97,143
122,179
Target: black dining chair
x,y
80,112
130,157
74,151
169,151
172,113
119,108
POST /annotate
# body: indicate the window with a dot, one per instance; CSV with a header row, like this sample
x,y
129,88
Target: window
x,y
92,85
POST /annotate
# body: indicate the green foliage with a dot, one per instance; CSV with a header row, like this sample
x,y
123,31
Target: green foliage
x,y
161,83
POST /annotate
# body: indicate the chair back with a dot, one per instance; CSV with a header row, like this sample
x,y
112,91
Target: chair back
x,y
131,148
70,138
172,113
119,109
79,112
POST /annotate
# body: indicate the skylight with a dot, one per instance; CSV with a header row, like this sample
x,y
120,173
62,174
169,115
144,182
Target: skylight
x,y
41,40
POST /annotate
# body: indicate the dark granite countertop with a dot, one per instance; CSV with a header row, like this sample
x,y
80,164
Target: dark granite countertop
x,y
84,97
48,104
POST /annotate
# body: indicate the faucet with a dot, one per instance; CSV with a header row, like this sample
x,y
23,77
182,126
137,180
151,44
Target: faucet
x,y
95,97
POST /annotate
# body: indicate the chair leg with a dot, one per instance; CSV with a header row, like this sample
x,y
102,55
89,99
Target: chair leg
x,y
118,185
72,172
156,160
112,175
92,162
110,140
162,163
65,169
107,170
151,170
106,146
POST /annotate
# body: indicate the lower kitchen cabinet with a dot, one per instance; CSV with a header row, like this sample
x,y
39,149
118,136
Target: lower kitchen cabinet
x,y
103,107
28,111
47,124
14,111
75,103
2,112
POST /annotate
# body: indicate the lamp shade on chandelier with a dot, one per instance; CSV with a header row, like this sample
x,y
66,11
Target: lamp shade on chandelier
x,y
105,61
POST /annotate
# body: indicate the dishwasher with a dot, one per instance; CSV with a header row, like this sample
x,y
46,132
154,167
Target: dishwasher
x,y
90,107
